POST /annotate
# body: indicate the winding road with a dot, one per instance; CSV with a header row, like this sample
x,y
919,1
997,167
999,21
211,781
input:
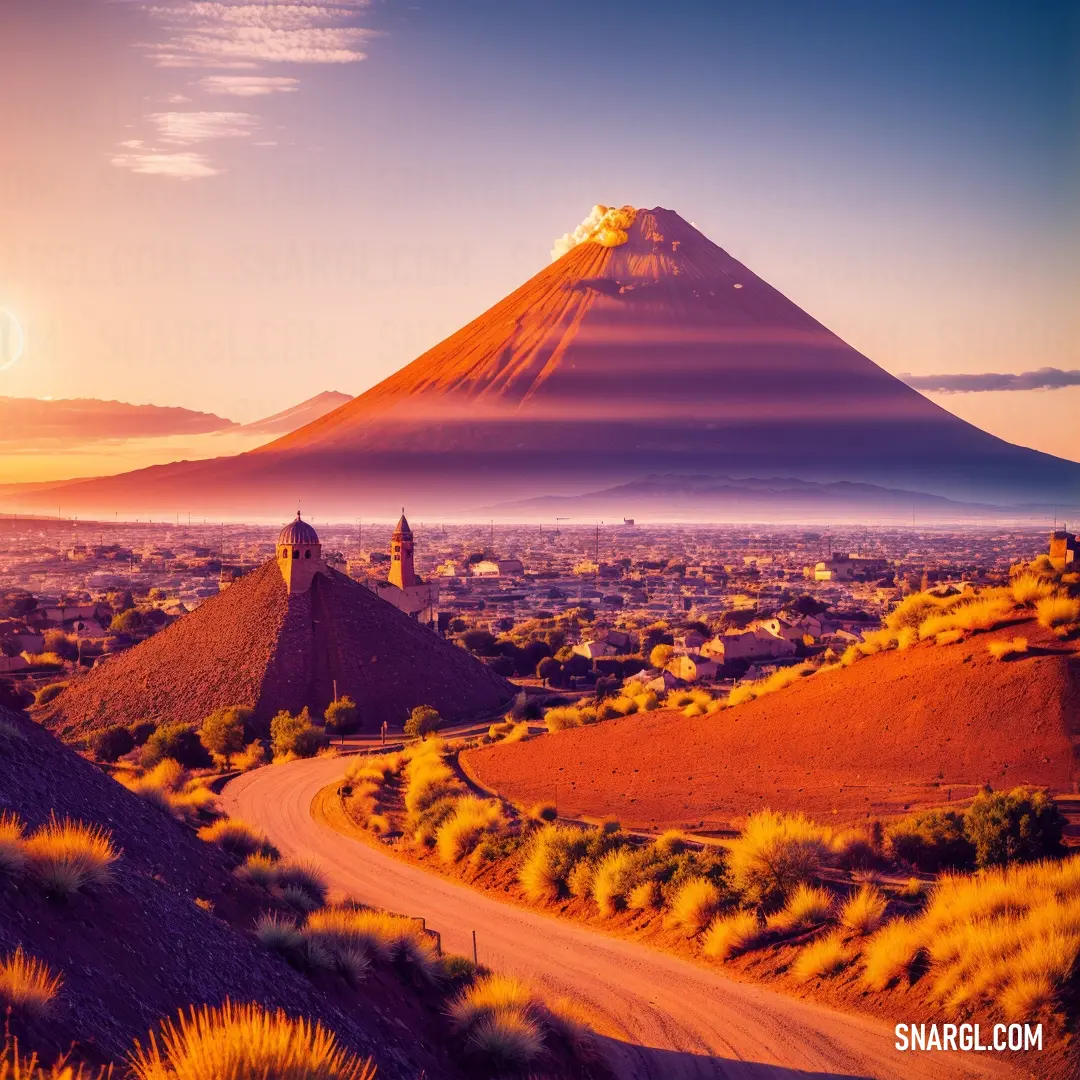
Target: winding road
x,y
670,1019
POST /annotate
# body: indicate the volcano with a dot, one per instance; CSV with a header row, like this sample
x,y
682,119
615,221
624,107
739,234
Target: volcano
x,y
644,349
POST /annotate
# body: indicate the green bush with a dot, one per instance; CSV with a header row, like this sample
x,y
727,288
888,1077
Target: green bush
x,y
423,721
223,732
1013,826
342,717
179,742
111,743
931,841
295,735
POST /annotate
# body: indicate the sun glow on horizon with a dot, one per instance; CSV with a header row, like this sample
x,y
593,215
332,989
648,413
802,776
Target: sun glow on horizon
x,y
12,339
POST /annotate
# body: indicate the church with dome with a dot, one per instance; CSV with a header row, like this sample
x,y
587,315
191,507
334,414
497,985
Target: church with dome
x,y
292,634
299,555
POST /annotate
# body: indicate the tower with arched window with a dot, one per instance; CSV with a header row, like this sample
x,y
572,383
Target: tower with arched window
x,y
299,555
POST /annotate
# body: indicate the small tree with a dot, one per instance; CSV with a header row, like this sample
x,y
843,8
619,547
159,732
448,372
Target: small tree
x,y
222,732
660,656
126,622
481,642
547,669
295,735
177,741
342,716
931,841
423,721
1014,826
111,743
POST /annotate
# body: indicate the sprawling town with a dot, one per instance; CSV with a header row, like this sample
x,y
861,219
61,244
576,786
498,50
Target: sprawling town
x,y
729,601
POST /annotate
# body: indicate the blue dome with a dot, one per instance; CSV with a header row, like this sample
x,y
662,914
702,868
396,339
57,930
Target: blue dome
x,y
298,533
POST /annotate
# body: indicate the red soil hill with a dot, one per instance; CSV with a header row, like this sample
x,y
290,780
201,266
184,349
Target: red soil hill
x,y
662,355
255,645
139,949
896,730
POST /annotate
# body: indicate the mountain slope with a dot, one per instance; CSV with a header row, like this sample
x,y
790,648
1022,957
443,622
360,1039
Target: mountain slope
x,y
305,413
660,354
138,950
895,730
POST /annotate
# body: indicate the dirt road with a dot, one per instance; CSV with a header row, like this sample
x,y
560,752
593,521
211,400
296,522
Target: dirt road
x,y
673,1021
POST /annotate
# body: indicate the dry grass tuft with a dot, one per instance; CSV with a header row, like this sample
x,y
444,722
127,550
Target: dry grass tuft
x,y
244,1042
645,896
15,1067
506,1022
863,912
613,878
238,838
27,985
892,952
999,650
305,878
695,904
260,870
374,935
991,608
823,957
485,996
774,853
278,933
991,937
12,845
67,856
549,860
1059,611
507,1038
729,935
1029,588
807,906
466,826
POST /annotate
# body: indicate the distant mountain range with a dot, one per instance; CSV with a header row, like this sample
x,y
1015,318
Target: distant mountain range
x,y
37,421
643,350
720,498
43,420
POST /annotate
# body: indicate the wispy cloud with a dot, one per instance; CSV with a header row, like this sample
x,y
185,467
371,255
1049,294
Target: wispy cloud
x,y
247,86
227,34
1047,378
189,128
182,165
230,35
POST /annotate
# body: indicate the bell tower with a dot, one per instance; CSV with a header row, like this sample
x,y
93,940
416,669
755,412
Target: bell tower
x,y
402,573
